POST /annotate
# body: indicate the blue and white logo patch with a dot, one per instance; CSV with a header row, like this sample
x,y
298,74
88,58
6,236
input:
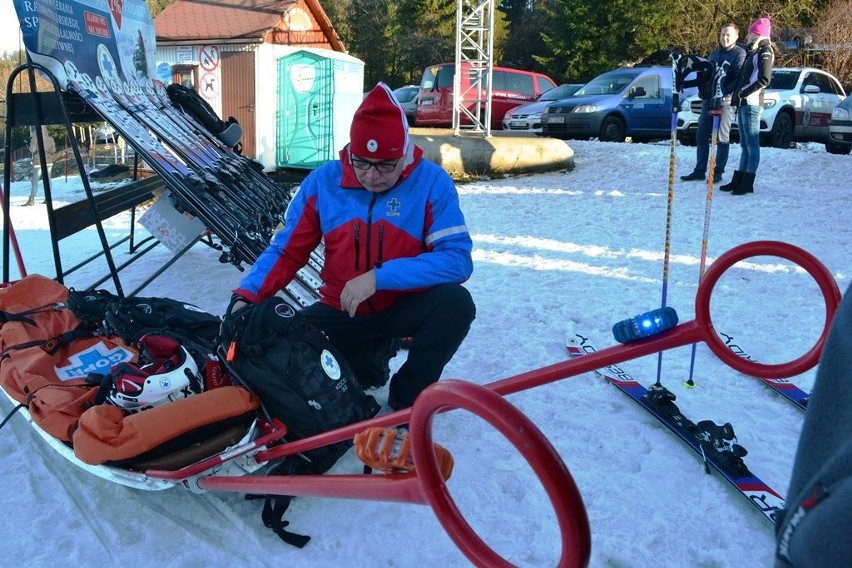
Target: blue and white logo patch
x,y
96,359
372,145
330,365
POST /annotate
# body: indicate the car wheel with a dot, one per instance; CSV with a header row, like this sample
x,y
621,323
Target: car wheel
x,y
782,131
612,130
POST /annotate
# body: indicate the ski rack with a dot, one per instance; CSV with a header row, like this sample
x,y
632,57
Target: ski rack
x,y
37,108
237,203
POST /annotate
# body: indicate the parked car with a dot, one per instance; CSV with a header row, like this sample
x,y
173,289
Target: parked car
x,y
527,118
407,97
839,139
631,101
510,88
796,107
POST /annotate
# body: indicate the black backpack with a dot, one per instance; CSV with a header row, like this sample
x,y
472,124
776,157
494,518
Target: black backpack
x,y
295,371
133,317
705,73
301,379
193,104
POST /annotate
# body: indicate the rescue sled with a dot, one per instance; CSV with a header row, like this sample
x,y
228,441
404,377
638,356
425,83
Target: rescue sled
x,y
43,370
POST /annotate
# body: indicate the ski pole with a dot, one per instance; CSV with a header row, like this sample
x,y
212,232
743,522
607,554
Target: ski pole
x,y
716,112
708,202
670,200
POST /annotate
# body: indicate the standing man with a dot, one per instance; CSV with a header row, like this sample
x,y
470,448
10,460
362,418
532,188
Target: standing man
x,y
727,52
396,252
39,169
753,79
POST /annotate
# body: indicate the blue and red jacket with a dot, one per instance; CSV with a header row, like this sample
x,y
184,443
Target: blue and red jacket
x,y
414,235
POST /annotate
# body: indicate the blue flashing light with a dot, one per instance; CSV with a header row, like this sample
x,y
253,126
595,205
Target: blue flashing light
x,y
645,325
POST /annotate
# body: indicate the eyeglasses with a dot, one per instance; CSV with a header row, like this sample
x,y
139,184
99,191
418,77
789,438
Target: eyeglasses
x,y
381,167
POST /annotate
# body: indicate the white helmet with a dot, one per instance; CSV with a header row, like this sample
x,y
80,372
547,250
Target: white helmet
x,y
165,373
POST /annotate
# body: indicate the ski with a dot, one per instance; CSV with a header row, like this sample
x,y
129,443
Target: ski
x,y
782,386
717,445
201,193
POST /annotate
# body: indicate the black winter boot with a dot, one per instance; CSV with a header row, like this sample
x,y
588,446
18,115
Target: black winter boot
x,y
734,183
694,176
746,185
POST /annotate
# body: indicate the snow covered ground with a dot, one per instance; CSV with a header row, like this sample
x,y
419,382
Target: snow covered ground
x,y
583,248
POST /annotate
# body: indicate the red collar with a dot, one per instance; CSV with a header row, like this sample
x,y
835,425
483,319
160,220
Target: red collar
x,y
348,180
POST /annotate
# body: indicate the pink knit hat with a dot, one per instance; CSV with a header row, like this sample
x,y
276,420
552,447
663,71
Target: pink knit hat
x,y
761,27
379,129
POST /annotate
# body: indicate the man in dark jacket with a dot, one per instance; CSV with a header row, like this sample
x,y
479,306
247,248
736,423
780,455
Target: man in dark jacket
x,y
396,252
731,56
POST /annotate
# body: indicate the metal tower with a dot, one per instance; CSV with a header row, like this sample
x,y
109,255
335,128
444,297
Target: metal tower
x,y
474,56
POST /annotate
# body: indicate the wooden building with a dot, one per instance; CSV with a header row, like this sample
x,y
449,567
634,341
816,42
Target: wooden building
x,y
227,51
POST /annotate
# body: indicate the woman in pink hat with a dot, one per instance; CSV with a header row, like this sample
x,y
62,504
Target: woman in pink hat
x,y
748,97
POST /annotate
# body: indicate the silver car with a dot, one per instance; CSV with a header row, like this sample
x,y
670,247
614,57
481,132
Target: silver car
x,y
527,118
840,128
407,97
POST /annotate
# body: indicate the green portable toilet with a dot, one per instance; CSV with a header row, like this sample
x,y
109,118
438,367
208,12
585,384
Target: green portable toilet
x,y
318,93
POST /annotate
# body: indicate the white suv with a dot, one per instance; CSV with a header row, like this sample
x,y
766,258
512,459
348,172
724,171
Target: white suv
x,y
796,106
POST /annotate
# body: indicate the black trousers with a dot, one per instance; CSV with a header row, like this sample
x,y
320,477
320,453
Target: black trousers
x,y
437,320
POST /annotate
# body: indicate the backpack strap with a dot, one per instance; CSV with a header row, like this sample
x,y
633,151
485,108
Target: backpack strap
x,y
12,413
52,345
274,507
21,316
7,317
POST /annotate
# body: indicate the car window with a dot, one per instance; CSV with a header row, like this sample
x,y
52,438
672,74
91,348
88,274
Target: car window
x,y
405,95
608,84
784,79
513,82
651,84
827,84
429,76
560,92
445,76
810,79
544,85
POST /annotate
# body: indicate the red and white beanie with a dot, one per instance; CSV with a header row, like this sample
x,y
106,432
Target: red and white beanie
x,y
379,130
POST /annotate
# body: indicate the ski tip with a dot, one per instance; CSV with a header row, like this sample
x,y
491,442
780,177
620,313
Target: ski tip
x,y
570,334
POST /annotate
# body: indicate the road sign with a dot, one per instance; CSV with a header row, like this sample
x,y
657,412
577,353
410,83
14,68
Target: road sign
x,y
209,86
208,58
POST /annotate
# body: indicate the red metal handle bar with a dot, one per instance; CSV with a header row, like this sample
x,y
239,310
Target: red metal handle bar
x,y
397,488
528,440
701,328
428,486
